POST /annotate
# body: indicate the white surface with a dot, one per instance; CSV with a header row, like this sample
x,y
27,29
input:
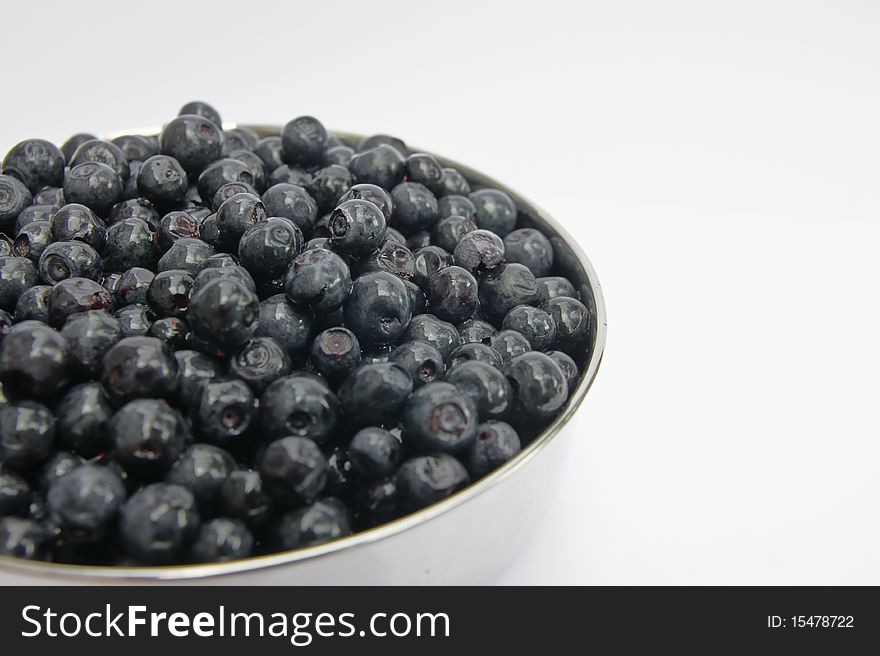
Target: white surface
x,y
721,167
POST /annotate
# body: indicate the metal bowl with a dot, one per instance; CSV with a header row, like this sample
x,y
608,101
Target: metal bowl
x,y
471,537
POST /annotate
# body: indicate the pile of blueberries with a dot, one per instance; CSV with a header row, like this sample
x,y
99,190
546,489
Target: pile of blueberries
x,y
215,345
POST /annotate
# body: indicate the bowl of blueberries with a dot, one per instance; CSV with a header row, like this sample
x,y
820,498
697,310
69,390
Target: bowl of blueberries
x,y
266,354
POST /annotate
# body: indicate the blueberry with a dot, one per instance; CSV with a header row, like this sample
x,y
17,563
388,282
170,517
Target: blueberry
x,y
209,231
267,249
110,281
324,520
129,244
357,226
293,470
68,148
171,330
17,274
391,256
318,278
540,386
228,190
224,313
335,353
135,147
382,165
506,287
553,286
453,184
32,240
244,497
237,214
139,367
340,155
328,184
377,353
260,362
221,540
15,494
475,331
234,272
176,225
203,109
240,138
440,334
486,386
424,169
568,366
292,201
254,166
90,335
106,153
87,500
509,344
374,452
428,261
6,322
497,442
24,538
285,323
392,234
62,260
34,213
134,208
379,139
374,393
495,211
76,295
424,480
194,141
378,309
34,360
456,206
415,208
421,360
14,197
479,250
187,254
269,150
53,196
158,523
36,162
536,325
373,193
27,434
135,319
476,352
221,173
419,240
300,405
82,419
162,180
440,417
452,294
169,292
202,469
194,371
417,297
293,175
148,436
303,141
59,465
448,232
572,321
531,248
94,185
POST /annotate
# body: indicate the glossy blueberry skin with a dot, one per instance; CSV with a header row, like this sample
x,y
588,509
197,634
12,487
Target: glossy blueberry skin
x,y
374,452
487,387
236,215
293,470
303,141
221,173
51,196
90,335
254,165
267,249
417,297
187,254
439,417
415,208
134,208
203,109
27,434
424,480
454,205
374,393
68,148
227,412
372,193
34,360
335,353
378,139
135,319
148,436
33,304
78,222
506,287
59,465
479,250
76,295
286,174
14,198
376,502
568,366
300,405
452,294
292,201
194,371
24,538
322,521
86,500
421,360
82,419
202,469
176,225
572,319
32,240
531,248
476,352
229,190
6,322
169,293
453,184
16,275
33,213
440,334
15,494
62,260
244,497
448,231
428,261
192,140
171,330
378,308
554,286
494,211
509,344
540,386
260,362
536,325
224,313
129,243
36,162
392,257
476,331
287,324
318,278
357,227
392,234
233,272
162,180
270,152
139,367
133,285
328,185
135,147
98,151
110,281
240,138
426,170
158,524
382,165
222,540
340,155
496,443
94,185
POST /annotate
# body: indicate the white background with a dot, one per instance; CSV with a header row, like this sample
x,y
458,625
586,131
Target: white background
x,y
720,164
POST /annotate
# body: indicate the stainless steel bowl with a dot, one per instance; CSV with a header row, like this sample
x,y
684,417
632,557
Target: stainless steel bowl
x,y
470,538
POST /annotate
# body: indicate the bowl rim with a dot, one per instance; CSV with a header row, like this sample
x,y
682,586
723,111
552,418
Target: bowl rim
x,y
182,573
